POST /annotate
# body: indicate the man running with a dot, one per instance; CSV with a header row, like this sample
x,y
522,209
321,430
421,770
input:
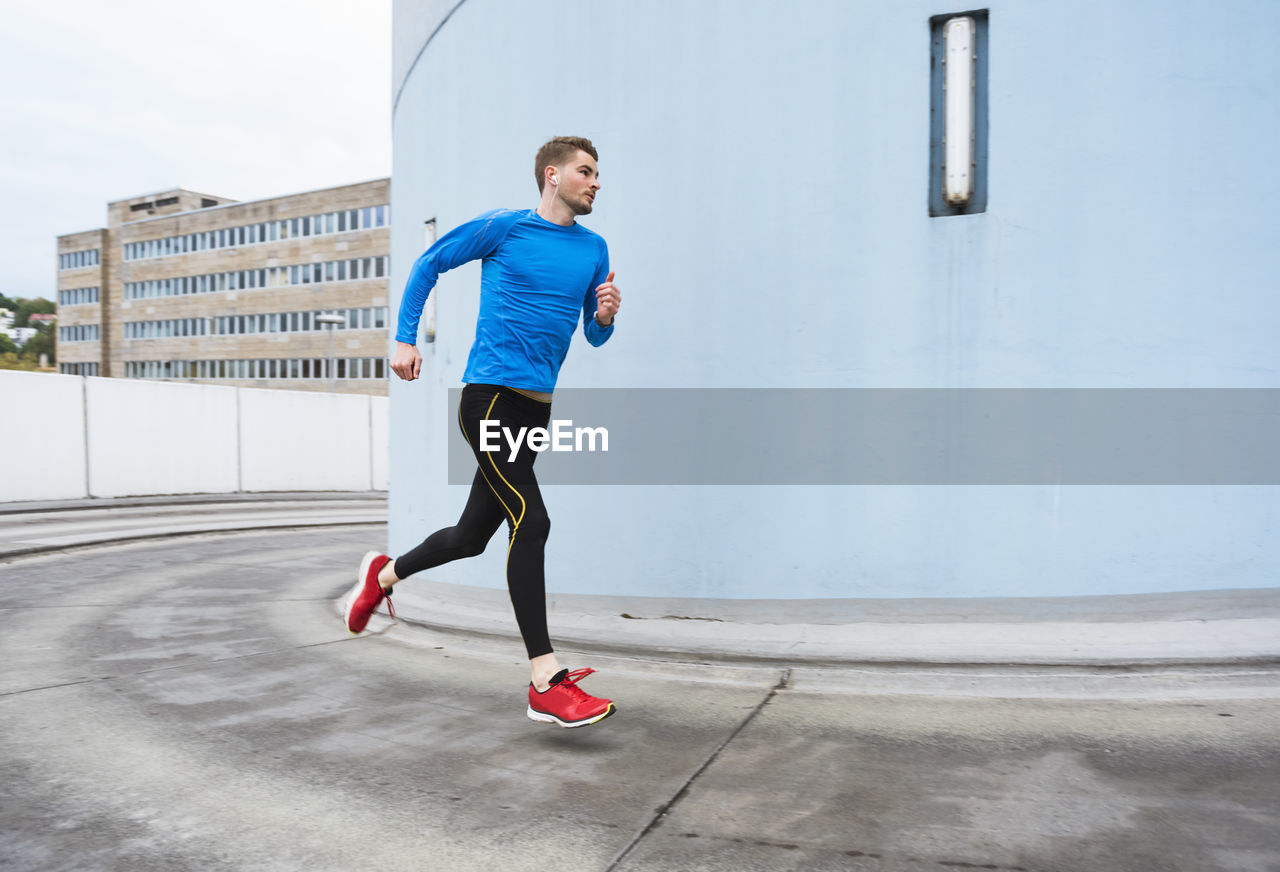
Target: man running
x,y
540,267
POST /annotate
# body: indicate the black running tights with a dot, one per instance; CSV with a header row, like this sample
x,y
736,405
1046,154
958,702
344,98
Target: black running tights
x,y
503,490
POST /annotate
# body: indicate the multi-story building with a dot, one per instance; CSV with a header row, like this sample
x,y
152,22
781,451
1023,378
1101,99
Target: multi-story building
x,y
80,283
287,292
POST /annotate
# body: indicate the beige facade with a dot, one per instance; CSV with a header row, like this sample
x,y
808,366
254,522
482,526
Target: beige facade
x,y
200,288
81,270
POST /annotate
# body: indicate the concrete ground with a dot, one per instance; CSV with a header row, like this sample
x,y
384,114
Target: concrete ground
x,y
193,703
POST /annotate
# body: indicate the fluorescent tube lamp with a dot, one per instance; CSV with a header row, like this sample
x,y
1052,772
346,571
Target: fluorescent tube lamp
x,y
429,313
958,45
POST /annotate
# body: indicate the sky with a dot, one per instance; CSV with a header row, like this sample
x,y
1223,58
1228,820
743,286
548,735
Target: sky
x,y
244,99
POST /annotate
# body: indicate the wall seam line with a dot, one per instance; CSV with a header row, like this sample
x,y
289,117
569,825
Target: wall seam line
x,y
239,446
84,418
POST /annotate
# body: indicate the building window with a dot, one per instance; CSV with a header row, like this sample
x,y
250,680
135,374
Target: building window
x,y
77,296
958,117
269,277
78,333
78,259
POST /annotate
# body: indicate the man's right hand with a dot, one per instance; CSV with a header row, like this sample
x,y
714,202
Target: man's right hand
x,y
406,362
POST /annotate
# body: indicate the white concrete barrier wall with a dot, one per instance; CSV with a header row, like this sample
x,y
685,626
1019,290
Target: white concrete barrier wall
x,y
71,437
292,440
41,436
380,439
160,438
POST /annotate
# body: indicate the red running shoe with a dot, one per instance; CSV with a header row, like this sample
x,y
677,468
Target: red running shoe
x,y
566,704
364,598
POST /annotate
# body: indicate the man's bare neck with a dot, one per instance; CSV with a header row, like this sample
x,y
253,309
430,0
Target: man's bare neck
x,y
556,213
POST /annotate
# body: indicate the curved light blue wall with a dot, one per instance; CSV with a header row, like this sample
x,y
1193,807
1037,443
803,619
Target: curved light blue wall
x,y
764,169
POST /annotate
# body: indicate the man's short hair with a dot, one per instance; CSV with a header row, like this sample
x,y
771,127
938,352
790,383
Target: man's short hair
x,y
557,152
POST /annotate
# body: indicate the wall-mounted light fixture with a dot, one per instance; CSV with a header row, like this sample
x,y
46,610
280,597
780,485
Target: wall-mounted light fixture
x,y
429,315
958,84
958,113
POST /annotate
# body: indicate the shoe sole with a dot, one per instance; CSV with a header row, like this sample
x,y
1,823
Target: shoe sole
x,y
369,557
545,718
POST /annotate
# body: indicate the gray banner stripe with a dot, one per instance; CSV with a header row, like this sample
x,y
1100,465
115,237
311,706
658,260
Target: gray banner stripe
x,y
911,436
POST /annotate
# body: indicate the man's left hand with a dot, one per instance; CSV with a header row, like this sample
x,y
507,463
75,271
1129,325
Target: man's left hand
x,y
608,300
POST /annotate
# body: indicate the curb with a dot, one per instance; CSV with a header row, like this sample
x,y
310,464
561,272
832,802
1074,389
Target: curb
x,y
34,550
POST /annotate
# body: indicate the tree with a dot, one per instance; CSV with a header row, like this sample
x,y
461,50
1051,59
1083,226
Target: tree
x,y
27,308
6,303
41,343
6,344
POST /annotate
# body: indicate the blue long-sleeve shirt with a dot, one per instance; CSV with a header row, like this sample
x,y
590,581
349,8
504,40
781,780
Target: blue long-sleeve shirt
x,y
535,278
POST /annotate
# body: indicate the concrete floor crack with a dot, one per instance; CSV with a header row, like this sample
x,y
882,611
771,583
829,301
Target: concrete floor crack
x,y
666,808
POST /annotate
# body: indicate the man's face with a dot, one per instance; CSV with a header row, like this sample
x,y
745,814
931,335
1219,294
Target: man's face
x,y
579,182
